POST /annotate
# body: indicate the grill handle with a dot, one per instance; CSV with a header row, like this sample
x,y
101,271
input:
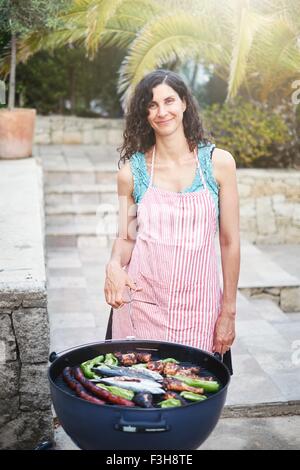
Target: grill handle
x,y
126,425
218,356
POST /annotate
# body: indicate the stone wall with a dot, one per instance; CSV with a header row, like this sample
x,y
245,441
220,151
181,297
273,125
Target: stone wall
x,y
269,205
25,406
74,130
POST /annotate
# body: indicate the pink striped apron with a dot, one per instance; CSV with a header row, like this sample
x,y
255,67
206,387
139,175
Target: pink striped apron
x,y
175,262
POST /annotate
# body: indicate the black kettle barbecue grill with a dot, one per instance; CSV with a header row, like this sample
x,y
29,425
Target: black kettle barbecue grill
x,y
111,427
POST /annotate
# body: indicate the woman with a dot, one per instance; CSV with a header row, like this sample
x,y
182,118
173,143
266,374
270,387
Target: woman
x,y
165,251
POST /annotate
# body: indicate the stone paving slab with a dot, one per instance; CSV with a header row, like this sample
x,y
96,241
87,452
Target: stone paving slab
x,y
269,311
65,338
287,257
57,282
260,270
276,433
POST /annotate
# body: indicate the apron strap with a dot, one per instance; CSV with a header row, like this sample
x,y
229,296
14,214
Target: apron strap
x,y
152,166
196,152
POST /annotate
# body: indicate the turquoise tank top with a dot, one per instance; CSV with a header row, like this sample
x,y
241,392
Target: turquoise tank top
x,y
141,176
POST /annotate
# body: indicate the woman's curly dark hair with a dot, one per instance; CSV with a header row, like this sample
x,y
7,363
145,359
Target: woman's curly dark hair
x,y
138,134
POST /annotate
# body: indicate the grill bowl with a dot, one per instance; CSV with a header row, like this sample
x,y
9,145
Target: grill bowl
x,y
111,427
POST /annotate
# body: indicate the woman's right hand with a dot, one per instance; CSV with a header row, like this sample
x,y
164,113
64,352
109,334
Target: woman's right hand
x,y
115,282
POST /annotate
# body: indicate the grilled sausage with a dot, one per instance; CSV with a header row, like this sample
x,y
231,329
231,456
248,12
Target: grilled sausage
x,y
78,388
100,392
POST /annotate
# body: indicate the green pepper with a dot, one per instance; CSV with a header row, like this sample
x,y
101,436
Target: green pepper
x,y
119,392
170,359
170,403
110,360
87,366
207,385
193,396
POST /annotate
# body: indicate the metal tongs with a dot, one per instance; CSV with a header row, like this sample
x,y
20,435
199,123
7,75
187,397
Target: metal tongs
x,y
132,337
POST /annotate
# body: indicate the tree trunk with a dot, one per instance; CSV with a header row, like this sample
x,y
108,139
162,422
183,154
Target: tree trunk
x,y
194,76
72,93
12,76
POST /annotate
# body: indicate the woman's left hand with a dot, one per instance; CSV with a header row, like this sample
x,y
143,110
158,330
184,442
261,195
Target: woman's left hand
x,y
224,333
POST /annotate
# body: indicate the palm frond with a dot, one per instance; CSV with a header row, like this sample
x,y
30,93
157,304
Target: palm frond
x,y
98,14
247,24
276,55
122,29
164,39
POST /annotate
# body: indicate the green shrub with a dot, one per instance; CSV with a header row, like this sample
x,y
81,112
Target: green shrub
x,y
250,131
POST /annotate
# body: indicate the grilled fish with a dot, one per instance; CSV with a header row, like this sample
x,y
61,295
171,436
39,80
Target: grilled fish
x,y
113,371
135,384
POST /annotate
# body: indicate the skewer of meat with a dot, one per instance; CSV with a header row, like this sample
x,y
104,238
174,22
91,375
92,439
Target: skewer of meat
x,y
131,358
177,386
78,388
100,392
156,366
143,357
126,359
170,368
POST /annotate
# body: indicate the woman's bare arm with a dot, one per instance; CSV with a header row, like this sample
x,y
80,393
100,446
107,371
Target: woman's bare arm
x,y
127,223
229,230
117,278
229,237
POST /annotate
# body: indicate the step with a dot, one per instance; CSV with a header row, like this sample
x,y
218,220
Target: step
x,y
80,214
102,228
81,194
81,173
84,188
72,235
80,209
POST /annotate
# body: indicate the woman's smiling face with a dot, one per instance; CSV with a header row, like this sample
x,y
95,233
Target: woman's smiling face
x,y
165,110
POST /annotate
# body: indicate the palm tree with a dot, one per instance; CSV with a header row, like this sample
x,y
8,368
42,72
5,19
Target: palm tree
x,y
252,44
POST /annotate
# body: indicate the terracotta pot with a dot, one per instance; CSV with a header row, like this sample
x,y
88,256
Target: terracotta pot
x,y
16,132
